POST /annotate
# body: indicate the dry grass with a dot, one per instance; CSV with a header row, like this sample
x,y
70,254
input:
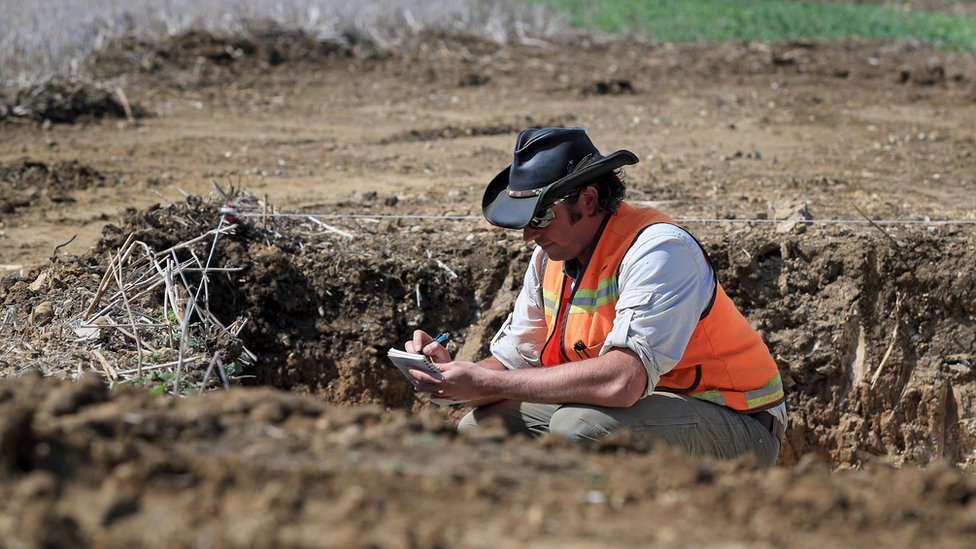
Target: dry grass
x,y
44,38
148,323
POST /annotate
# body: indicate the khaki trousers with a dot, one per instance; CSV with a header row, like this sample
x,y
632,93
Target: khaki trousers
x,y
699,427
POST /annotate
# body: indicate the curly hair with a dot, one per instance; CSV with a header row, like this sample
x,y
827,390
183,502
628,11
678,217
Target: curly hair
x,y
611,189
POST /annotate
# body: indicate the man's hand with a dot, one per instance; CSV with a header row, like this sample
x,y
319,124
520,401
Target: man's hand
x,y
423,343
464,381
616,379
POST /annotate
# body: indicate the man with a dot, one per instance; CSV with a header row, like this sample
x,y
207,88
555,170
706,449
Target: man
x,y
620,323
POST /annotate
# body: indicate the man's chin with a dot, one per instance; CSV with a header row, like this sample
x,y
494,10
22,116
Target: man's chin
x,y
554,253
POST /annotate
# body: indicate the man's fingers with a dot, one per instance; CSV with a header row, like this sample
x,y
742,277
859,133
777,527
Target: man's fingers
x,y
421,376
420,339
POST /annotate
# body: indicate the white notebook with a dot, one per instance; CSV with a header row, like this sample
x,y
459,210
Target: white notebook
x,y
404,361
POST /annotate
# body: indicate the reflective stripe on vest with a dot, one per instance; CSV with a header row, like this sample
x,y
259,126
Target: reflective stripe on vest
x,y
586,301
725,361
771,393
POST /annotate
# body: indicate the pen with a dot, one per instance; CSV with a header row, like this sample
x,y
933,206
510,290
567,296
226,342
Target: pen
x,y
442,338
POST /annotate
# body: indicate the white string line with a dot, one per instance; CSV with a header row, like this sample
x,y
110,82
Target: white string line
x,y
833,221
677,219
362,216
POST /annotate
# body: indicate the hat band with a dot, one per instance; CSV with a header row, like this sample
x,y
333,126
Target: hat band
x,y
524,194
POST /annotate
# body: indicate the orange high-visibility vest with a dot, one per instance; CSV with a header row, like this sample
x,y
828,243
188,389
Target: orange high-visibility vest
x,y
725,362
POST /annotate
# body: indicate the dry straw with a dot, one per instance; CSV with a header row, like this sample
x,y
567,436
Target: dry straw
x,y
38,39
133,271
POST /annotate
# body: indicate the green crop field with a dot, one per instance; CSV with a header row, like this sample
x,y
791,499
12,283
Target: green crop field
x,y
767,20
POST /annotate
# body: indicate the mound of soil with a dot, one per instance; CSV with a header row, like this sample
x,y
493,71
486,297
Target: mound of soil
x,y
321,309
86,466
208,57
59,101
29,183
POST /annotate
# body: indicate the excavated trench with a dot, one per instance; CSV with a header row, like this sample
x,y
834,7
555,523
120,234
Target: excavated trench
x,y
874,335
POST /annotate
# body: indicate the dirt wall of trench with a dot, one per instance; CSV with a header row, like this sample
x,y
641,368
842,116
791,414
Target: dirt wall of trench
x,y
874,335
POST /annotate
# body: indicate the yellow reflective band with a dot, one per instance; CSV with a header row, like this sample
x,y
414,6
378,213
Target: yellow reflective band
x,y
549,301
715,397
770,392
587,300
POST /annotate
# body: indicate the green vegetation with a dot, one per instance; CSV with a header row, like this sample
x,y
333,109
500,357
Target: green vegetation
x,y
36,41
157,383
766,20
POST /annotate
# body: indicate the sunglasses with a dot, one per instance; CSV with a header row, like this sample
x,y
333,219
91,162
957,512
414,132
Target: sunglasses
x,y
544,217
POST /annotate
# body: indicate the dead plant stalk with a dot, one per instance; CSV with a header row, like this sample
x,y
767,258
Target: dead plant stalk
x,y
120,280
103,285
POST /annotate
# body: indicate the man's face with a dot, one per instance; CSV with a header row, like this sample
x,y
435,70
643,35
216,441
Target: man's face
x,y
563,238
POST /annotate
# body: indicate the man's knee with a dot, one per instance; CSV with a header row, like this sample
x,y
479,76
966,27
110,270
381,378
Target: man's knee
x,y
580,424
468,422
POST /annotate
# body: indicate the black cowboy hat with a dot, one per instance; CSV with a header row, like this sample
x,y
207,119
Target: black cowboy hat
x,y
549,163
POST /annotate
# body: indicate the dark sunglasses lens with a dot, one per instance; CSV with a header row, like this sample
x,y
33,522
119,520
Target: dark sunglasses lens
x,y
542,219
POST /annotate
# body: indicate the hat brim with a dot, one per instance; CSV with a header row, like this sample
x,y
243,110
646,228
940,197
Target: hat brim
x,y
502,210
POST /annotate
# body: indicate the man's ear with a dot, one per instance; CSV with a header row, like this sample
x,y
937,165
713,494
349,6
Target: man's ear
x,y
589,199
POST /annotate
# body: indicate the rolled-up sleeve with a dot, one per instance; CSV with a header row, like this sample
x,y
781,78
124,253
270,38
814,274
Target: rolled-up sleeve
x,y
519,342
665,285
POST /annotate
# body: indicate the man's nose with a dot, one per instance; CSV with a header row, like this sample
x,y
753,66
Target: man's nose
x,y
529,234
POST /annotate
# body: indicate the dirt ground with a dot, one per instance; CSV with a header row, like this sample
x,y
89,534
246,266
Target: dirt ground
x,y
873,326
